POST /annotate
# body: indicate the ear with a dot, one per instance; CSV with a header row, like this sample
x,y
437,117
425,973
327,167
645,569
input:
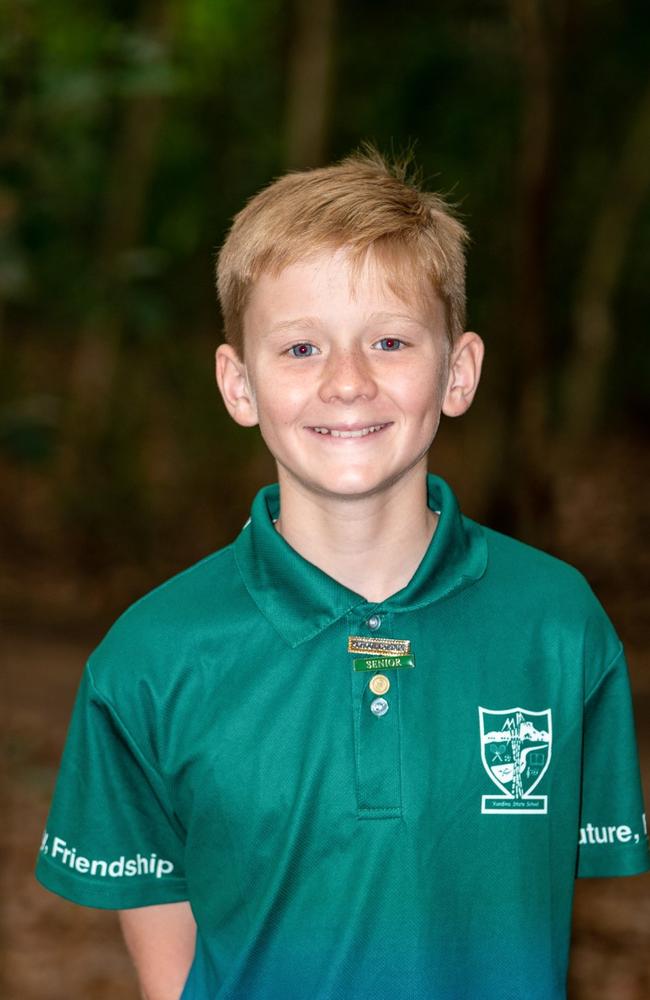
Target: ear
x,y
234,386
464,374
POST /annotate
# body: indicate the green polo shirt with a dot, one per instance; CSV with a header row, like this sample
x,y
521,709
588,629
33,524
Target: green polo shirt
x,y
338,837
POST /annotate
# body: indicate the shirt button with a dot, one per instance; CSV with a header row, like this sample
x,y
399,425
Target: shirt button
x,y
374,622
379,706
379,684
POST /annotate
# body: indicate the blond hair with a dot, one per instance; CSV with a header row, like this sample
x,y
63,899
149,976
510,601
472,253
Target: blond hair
x,y
363,204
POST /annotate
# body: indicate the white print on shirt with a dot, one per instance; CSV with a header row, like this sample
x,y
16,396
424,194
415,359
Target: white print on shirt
x,y
141,864
621,834
516,751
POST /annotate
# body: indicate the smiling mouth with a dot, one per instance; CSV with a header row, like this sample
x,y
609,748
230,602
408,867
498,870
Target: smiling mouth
x,y
355,433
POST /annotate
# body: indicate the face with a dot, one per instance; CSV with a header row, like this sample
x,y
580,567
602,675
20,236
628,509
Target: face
x,y
347,385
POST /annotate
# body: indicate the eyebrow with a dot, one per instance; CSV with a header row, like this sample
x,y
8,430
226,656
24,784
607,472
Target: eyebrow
x,y
312,323
381,317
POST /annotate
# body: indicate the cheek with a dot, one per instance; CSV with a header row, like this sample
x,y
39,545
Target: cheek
x,y
419,395
281,405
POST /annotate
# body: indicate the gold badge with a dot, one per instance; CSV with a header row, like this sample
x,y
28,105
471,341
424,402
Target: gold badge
x,y
379,684
377,646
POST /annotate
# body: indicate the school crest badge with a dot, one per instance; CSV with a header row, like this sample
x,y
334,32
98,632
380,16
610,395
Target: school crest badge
x,y
516,751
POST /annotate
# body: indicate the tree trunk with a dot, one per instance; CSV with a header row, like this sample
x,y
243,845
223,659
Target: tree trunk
x,y
526,449
309,83
593,314
132,166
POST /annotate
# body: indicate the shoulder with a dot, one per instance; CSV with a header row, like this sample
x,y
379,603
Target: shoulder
x,y
159,634
186,597
545,592
512,561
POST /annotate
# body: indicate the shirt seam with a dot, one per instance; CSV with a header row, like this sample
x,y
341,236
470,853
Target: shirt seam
x,y
142,759
606,672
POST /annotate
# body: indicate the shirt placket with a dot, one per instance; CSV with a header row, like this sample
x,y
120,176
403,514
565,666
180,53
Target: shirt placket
x,y
377,725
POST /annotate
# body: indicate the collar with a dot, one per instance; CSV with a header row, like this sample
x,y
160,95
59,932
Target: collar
x,y
300,600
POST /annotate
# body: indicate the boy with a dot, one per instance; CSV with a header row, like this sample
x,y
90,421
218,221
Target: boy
x,y
363,751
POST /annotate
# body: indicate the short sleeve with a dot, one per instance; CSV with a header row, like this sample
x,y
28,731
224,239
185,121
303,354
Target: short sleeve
x,y
613,830
112,839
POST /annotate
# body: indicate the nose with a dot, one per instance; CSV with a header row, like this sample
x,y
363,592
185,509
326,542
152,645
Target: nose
x,y
347,376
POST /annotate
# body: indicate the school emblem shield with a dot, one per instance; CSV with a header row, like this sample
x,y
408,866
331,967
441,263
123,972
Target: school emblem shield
x,y
516,751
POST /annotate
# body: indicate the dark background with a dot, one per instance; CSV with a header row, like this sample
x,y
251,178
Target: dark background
x,y
131,134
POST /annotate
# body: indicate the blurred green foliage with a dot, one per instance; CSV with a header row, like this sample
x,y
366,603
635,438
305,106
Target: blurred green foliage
x,y
133,131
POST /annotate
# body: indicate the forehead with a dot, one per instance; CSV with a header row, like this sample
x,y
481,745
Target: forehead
x,y
330,285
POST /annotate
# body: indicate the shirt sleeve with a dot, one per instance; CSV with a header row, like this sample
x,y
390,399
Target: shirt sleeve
x,y
613,830
112,839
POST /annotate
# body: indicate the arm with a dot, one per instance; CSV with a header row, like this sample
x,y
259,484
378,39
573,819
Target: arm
x,y
161,941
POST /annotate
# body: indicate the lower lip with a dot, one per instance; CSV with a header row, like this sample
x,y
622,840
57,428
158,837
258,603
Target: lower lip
x,y
349,440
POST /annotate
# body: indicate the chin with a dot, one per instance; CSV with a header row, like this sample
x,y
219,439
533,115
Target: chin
x,y
350,483
350,487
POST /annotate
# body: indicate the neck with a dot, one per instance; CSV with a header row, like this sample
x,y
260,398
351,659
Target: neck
x,y
372,545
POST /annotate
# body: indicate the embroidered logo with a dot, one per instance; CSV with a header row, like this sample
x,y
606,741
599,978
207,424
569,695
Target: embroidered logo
x,y
516,752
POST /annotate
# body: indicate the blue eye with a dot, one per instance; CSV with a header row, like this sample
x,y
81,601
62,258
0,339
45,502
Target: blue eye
x,y
302,350
390,344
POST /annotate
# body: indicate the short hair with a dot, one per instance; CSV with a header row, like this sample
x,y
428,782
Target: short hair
x,y
363,204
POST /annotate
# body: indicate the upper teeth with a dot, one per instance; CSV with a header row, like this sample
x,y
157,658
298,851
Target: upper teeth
x,y
349,434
